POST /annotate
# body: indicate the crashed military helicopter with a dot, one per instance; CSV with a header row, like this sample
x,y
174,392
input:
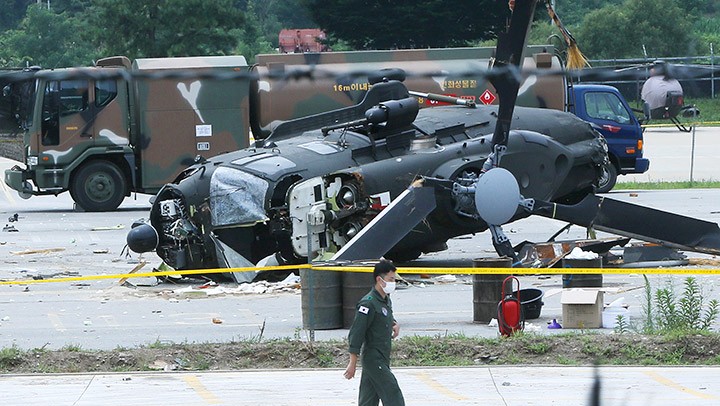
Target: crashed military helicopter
x,y
318,185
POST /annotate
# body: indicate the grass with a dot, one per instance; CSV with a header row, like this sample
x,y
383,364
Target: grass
x,y
572,348
10,356
701,184
709,111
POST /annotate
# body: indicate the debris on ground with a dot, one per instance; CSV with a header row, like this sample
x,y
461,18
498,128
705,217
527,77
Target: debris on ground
x,y
37,251
212,289
108,228
548,254
10,229
578,253
51,275
13,218
446,279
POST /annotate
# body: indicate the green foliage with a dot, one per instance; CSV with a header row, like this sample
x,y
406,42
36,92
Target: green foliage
x,y
252,39
12,12
635,27
663,185
380,24
45,38
688,313
621,325
72,348
10,356
137,28
70,33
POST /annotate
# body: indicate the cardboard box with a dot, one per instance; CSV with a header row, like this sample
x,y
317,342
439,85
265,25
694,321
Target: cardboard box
x,y
582,308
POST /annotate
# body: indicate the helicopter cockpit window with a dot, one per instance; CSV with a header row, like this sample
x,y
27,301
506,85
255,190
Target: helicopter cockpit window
x,y
606,106
105,92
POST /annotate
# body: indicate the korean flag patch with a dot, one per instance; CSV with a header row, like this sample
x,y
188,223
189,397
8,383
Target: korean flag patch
x,y
363,310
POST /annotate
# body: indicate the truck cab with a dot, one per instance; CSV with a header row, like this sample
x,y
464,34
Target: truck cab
x,y
608,112
95,134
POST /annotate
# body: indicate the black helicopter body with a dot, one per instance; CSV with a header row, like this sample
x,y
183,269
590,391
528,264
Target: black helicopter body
x,y
315,184
256,201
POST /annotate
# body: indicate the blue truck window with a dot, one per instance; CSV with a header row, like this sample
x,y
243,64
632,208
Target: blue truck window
x,y
606,106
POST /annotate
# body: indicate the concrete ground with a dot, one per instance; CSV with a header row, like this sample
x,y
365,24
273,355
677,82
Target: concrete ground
x,y
487,386
100,314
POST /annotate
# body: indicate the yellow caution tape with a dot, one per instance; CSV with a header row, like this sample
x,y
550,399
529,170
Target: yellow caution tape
x,y
401,270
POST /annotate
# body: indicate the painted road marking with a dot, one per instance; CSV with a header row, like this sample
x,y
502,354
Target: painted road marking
x,y
425,378
194,382
667,382
56,323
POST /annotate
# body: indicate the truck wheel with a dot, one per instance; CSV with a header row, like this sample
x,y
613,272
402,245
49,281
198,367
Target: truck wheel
x,y
608,178
98,186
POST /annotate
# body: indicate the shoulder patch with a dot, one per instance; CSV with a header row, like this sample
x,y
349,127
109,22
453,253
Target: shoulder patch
x,y
368,297
363,309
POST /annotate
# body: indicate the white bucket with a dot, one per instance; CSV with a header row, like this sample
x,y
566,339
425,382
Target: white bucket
x,y
612,311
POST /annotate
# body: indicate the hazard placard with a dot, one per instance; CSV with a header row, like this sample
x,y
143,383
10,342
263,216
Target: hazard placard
x,y
487,97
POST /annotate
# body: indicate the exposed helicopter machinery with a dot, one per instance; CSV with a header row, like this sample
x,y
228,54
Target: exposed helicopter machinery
x,y
335,185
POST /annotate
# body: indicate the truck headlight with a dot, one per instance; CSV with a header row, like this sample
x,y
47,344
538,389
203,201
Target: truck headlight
x,y
32,160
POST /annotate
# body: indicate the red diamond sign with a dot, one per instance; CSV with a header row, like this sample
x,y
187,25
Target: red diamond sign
x,y
487,97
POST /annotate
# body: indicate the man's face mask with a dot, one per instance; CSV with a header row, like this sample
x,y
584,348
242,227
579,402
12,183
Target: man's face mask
x,y
389,287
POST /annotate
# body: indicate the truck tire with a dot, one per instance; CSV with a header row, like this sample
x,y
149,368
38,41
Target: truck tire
x,y
608,178
98,186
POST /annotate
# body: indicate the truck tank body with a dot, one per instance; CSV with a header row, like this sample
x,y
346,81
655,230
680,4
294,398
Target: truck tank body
x,y
280,99
179,119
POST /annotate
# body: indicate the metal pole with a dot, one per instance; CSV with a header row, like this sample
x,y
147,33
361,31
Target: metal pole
x,y
311,282
692,150
712,72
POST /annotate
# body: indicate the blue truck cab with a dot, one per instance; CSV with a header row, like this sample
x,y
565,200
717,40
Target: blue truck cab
x,y
608,112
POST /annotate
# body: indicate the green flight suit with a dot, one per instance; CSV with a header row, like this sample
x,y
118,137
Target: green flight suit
x,y
372,330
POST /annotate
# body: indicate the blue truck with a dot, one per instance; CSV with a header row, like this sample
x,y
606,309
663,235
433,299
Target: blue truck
x,y
606,109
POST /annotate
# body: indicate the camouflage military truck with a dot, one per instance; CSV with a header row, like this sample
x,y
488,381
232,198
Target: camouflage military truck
x,y
103,139
343,79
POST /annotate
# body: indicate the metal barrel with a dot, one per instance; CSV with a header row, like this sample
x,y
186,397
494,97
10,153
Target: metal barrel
x,y
354,286
487,288
582,280
321,297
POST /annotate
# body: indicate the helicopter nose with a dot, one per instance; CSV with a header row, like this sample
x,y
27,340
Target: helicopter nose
x,y
142,238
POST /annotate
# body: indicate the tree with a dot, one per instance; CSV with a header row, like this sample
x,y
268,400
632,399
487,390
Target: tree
x,y
47,39
138,28
12,12
382,24
622,31
252,40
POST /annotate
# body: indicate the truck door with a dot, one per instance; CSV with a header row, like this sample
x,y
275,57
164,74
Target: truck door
x,y
80,114
617,124
66,126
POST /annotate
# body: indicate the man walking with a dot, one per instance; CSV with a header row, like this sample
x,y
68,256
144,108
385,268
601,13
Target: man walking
x,y
373,329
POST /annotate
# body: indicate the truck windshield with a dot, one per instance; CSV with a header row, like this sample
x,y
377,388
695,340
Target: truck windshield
x,y
20,100
606,106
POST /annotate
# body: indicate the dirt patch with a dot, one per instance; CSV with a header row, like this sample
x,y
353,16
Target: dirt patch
x,y
565,349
